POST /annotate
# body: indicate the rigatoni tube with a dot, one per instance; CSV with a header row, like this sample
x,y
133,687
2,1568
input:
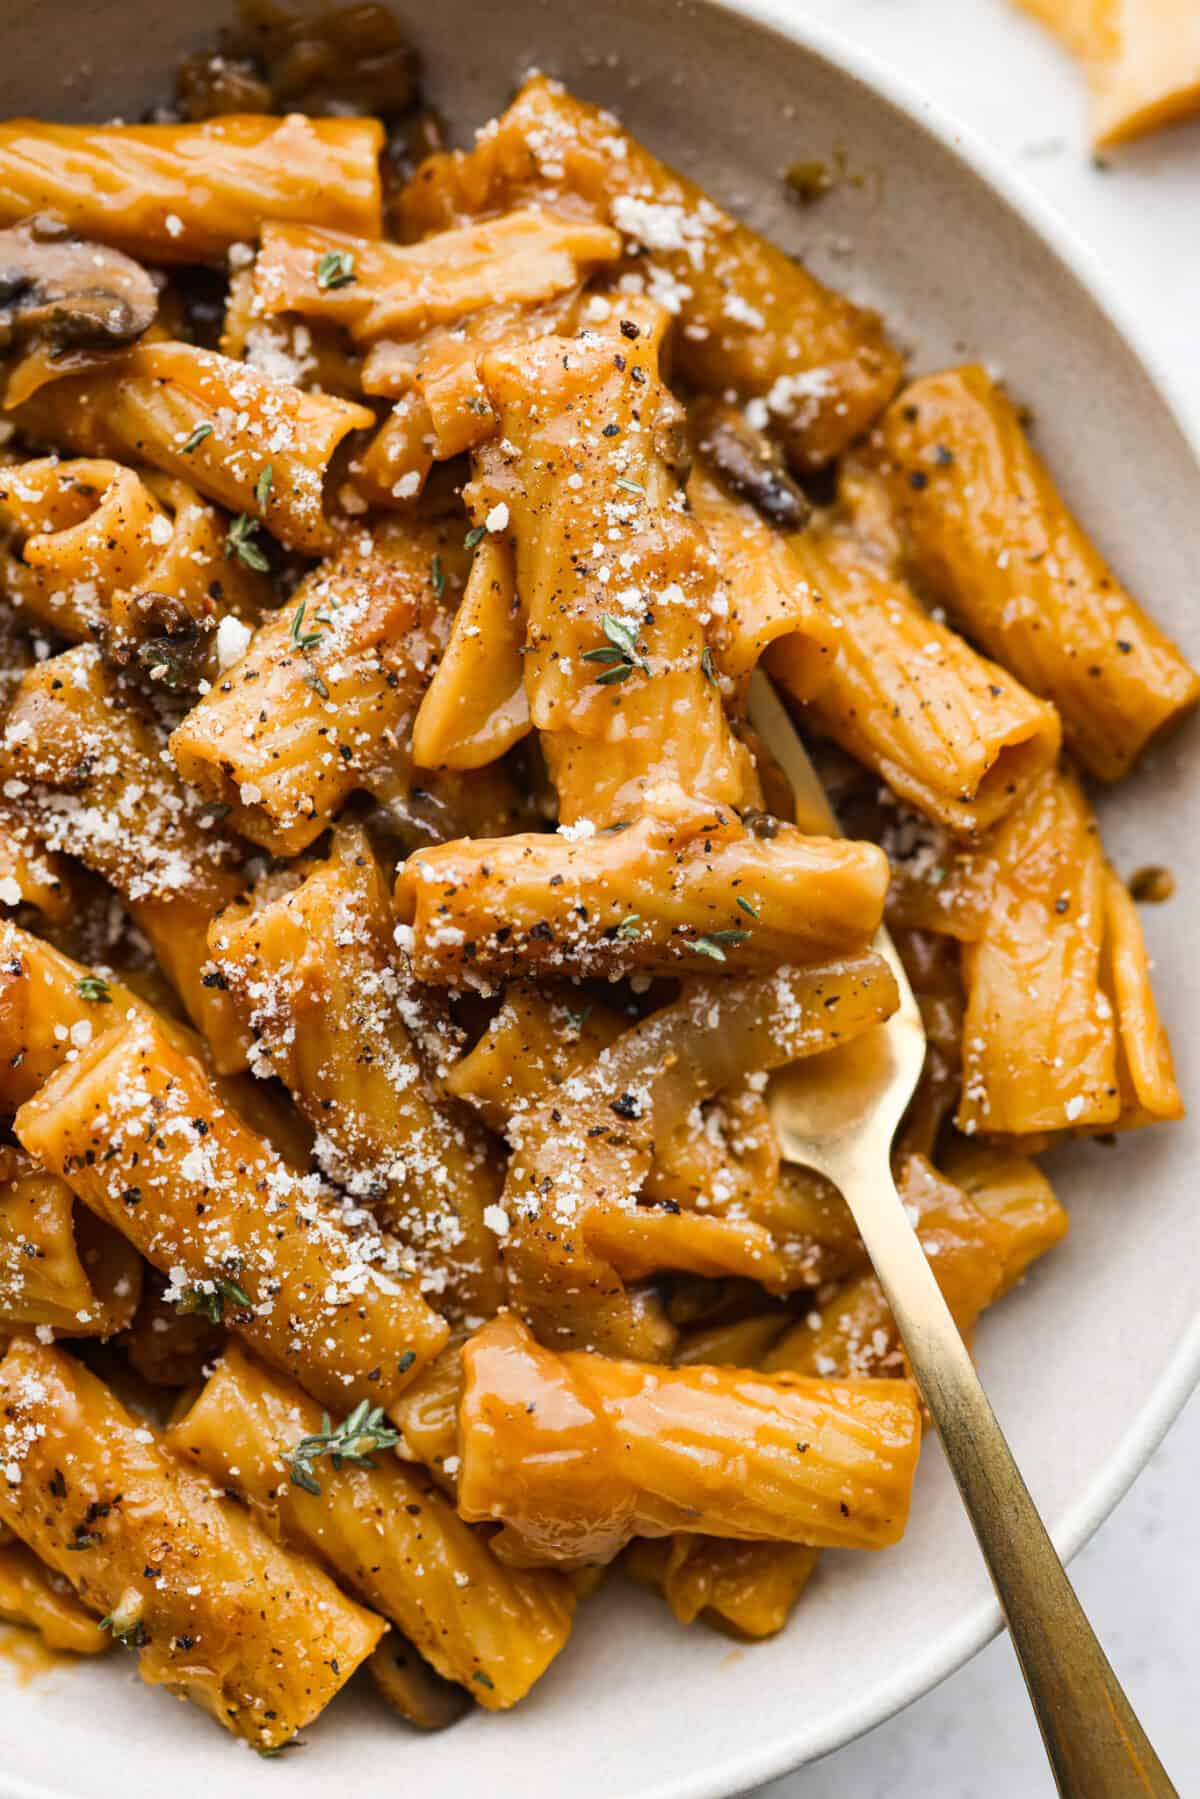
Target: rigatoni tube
x,y
255,1635
333,1029
187,193
150,405
403,290
137,1129
650,898
87,755
385,1530
990,534
327,688
575,1454
953,735
60,1268
33,1595
751,318
582,1156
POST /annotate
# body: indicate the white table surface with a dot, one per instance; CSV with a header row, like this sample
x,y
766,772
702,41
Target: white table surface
x,y
1004,80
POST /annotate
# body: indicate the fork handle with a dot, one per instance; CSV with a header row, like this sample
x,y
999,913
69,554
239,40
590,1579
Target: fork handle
x,y
1096,1746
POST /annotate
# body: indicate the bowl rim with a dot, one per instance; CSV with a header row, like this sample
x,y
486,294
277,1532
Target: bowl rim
x,y
739,1773
751,1765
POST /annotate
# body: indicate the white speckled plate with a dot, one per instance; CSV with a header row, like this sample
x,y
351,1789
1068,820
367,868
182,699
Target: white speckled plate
x,y
1088,1363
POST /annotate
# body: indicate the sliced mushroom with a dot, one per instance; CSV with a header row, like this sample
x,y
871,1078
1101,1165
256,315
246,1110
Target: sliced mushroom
x,y
751,464
326,60
155,633
67,294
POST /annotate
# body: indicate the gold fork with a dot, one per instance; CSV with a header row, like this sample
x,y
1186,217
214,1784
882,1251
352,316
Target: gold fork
x,y
843,1128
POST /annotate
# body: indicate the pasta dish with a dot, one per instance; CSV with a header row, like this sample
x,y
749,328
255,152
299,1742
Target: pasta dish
x,y
401,925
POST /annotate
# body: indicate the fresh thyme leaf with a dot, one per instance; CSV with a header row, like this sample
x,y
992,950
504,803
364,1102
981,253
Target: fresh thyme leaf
x,y
630,486
195,440
623,637
94,987
438,576
630,927
262,487
484,1679
353,1441
747,907
301,1476
714,944
240,542
211,1301
706,666
620,651
336,269
131,1636
406,1361
577,1020
475,535
303,640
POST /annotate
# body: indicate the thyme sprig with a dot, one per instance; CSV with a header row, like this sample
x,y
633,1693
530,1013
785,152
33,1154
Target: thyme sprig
x,y
240,541
336,269
303,640
195,439
353,1441
621,651
715,943
212,1300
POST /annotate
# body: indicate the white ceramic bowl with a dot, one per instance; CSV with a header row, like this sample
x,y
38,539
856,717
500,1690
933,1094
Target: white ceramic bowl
x,y
1090,1361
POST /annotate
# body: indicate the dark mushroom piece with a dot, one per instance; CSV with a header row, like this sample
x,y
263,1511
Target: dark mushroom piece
x,y
66,294
157,635
324,60
750,464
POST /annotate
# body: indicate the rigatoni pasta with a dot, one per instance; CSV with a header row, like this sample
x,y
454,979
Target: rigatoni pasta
x,y
952,734
262,1645
33,1595
86,763
61,1270
188,193
259,446
752,319
138,1131
1056,983
624,1462
404,931
327,687
384,1528
334,1032
97,551
401,290
643,899
990,533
